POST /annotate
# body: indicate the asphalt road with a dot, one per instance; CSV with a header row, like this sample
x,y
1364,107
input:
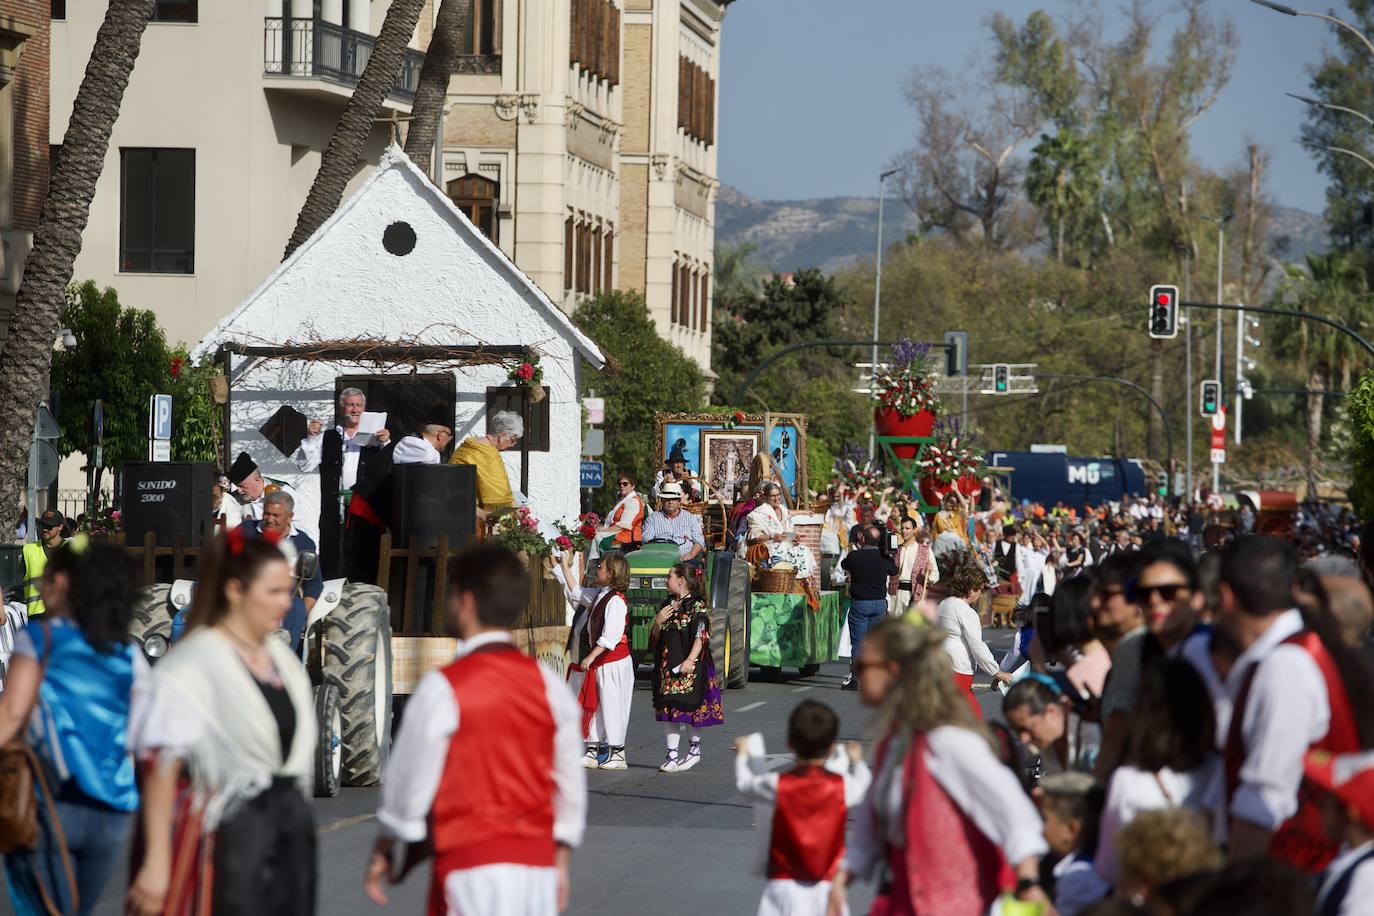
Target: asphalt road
x,y
653,839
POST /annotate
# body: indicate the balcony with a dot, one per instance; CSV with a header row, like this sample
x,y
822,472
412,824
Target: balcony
x,y
313,49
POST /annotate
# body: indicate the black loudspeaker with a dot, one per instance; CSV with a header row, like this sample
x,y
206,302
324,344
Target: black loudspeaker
x,y
432,500
168,498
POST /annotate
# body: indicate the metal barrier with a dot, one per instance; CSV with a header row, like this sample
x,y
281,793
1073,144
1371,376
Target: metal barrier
x,y
315,48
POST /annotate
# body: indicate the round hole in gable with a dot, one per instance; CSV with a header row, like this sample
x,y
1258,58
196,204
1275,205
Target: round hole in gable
x,y
399,239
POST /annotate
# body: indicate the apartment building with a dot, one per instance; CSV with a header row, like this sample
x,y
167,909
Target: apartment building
x,y
23,138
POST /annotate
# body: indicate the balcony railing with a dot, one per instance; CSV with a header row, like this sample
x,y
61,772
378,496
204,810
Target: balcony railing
x,y
313,47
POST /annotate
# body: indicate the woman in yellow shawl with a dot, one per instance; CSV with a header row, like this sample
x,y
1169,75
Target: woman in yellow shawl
x,y
493,485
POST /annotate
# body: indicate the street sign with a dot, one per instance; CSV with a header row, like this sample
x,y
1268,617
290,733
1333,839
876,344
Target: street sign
x,y
1219,436
47,426
593,474
594,443
1218,456
160,416
161,450
98,421
596,410
43,465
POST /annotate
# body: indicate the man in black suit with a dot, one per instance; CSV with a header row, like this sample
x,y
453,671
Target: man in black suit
x,y
335,453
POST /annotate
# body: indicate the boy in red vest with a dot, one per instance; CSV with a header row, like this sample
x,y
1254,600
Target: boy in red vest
x,y
1347,785
1289,697
810,804
487,766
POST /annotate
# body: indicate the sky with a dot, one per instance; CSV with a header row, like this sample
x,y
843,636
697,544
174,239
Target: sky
x,y
811,101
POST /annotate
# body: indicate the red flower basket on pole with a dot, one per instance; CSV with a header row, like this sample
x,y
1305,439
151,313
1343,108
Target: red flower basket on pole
x,y
951,462
904,400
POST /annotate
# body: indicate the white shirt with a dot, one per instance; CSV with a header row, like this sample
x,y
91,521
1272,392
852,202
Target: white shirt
x,y
964,639
1361,890
414,450
1132,791
311,452
762,788
421,747
616,612
1286,713
978,784
906,563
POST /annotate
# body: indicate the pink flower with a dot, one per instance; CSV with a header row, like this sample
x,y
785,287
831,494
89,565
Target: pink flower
x,y
564,542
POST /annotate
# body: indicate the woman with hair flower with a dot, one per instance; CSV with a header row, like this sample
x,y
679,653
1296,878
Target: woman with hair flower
x,y
686,689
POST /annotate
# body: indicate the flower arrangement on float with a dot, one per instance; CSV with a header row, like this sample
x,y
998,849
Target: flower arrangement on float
x,y
905,403
576,537
952,462
519,531
856,473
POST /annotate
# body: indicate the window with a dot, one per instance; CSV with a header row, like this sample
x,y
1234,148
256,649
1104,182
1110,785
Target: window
x,y
175,11
569,248
477,197
53,150
59,9
157,210
705,313
479,34
511,398
596,260
609,260
696,102
673,298
595,39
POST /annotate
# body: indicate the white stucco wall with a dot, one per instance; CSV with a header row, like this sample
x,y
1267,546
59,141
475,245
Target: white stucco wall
x,y
453,288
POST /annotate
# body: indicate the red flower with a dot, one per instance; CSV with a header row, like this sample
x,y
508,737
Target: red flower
x,y
739,416
563,541
525,372
176,366
587,531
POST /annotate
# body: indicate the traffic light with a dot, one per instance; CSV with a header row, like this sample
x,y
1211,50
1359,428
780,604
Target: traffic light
x,y
1001,379
1210,397
956,353
1163,311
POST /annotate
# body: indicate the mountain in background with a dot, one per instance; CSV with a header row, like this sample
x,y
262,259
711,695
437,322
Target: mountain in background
x,y
834,232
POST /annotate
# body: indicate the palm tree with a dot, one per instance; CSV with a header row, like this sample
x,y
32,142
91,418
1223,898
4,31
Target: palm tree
x,y
432,89
1063,183
355,126
1333,286
27,357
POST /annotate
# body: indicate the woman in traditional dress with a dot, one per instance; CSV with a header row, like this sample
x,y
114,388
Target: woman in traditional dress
x,y
916,569
625,523
68,686
224,733
599,642
950,526
770,526
944,820
686,690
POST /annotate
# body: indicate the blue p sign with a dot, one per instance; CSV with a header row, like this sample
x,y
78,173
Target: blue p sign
x,y
160,416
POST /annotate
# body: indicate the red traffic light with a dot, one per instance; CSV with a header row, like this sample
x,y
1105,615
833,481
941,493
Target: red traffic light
x,y
1162,298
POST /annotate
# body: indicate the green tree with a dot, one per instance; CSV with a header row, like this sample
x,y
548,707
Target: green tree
x,y
198,429
1359,407
1064,182
120,357
648,375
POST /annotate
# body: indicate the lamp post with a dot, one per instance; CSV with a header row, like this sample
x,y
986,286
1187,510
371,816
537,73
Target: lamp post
x,y
1221,222
1341,23
878,303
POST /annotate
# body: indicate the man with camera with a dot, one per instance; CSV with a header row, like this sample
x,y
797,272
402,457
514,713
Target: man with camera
x,y
869,566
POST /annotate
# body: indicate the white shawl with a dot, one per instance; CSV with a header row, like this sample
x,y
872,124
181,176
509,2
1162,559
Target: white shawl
x,y
201,705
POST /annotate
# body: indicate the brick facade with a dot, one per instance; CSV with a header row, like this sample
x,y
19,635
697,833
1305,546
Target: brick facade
x,y
29,90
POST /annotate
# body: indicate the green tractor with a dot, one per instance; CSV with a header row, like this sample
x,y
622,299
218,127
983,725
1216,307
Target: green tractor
x,y
727,592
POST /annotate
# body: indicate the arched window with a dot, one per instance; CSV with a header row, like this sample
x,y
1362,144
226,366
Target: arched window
x,y
476,197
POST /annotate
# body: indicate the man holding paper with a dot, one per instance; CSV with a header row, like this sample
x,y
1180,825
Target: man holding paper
x,y
335,453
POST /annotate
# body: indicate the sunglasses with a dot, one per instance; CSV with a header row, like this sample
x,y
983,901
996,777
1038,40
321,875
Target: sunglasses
x,y
1142,594
625,483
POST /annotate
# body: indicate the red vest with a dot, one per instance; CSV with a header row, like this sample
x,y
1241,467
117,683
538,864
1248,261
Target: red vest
x,y
808,825
636,532
494,803
1300,840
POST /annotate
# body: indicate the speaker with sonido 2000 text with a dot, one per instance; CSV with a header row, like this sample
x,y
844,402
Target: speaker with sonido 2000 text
x,y
433,500
168,498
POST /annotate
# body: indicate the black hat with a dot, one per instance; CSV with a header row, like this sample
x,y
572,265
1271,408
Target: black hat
x,y
439,415
677,455
242,469
51,519
1008,530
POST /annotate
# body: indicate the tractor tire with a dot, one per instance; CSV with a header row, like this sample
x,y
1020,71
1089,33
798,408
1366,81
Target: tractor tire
x,y
329,748
357,656
152,613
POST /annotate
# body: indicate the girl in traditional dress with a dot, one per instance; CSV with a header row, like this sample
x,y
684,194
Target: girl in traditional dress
x,y
946,823
686,690
599,642
224,732
950,525
916,570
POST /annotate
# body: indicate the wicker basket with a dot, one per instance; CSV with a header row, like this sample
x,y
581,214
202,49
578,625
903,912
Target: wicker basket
x,y
775,581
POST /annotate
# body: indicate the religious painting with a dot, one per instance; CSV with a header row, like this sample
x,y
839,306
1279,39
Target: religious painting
x,y
726,455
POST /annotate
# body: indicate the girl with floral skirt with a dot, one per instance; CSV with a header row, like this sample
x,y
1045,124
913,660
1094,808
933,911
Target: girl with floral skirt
x,y
686,689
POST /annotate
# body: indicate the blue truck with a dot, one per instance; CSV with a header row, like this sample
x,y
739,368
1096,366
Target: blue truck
x,y
1050,477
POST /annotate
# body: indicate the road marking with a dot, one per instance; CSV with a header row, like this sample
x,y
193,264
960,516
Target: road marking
x,y
750,706
345,822
802,689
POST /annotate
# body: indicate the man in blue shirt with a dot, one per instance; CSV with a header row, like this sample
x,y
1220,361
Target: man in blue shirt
x,y
670,523
277,518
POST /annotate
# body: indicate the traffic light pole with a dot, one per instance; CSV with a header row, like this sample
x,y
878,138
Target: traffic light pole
x,y
1159,408
753,376
1287,313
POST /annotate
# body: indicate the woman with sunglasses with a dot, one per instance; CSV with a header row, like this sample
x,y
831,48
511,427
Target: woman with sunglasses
x,y
625,522
944,817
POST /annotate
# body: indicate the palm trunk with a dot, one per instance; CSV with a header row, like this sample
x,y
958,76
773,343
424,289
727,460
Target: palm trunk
x,y
1315,384
432,90
27,357
355,126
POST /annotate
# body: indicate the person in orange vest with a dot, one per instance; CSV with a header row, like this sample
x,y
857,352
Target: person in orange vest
x,y
487,764
624,523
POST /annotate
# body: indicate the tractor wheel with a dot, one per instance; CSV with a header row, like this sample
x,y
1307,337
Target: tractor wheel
x,y
357,655
329,748
152,614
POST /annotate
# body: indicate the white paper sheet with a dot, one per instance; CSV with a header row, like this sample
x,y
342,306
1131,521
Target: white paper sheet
x,y
368,424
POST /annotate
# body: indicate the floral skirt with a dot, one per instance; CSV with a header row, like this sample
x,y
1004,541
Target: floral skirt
x,y
712,709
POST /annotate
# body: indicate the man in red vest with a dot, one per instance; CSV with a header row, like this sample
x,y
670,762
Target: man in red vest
x,y
1288,697
487,765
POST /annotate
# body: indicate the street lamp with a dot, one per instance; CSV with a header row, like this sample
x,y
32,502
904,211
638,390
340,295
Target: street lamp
x,y
878,303
1289,11
1221,222
1317,103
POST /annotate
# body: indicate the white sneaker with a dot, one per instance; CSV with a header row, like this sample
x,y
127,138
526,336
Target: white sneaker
x,y
671,765
616,761
692,759
589,759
